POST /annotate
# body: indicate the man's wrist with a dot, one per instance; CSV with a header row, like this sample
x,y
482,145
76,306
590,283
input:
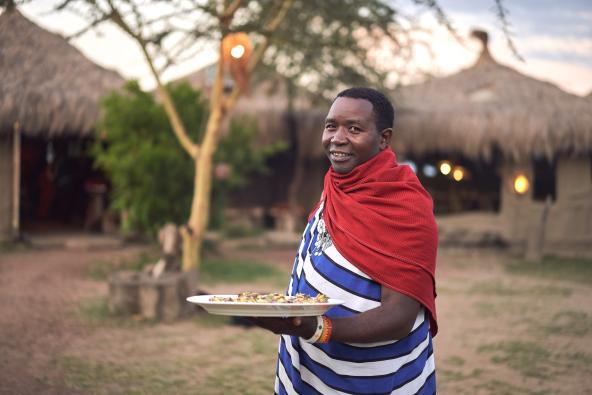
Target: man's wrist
x,y
317,330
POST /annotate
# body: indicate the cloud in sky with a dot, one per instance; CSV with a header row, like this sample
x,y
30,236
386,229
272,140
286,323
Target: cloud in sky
x,y
555,38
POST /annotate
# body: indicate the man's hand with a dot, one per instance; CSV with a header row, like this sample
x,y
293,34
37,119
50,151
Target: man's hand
x,y
295,326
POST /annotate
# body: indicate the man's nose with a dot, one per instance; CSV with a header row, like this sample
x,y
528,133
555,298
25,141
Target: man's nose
x,y
340,136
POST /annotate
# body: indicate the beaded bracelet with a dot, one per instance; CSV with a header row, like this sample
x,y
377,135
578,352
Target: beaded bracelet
x,y
327,330
318,332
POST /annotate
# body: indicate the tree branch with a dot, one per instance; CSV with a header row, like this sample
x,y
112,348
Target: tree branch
x,y
501,12
259,51
228,13
178,127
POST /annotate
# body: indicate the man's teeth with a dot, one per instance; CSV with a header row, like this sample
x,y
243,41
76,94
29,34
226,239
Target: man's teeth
x,y
340,154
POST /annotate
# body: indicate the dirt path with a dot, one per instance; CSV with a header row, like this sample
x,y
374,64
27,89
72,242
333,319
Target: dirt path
x,y
500,333
39,291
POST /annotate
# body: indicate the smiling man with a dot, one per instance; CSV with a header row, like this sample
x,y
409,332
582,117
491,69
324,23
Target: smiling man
x,y
371,242
352,135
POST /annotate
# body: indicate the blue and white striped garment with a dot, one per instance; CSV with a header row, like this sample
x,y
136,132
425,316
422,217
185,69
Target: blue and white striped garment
x,y
401,367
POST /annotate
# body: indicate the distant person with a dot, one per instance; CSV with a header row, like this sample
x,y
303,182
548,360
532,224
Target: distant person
x,y
96,188
371,241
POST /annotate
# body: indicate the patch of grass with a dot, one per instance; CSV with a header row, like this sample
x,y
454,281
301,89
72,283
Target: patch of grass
x,y
10,247
220,270
242,364
211,320
451,370
230,378
100,270
497,387
96,312
569,323
450,375
262,346
488,309
578,270
579,361
110,378
498,288
239,231
532,360
454,360
528,358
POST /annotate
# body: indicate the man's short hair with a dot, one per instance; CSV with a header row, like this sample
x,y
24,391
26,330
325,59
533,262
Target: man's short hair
x,y
383,108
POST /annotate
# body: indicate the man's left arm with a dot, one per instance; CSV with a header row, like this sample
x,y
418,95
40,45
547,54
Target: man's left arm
x,y
392,320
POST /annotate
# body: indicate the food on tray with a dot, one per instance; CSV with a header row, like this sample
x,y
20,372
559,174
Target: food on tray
x,y
253,297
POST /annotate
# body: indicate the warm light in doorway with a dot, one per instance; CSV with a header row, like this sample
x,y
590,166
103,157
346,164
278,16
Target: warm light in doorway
x,y
445,168
521,184
458,174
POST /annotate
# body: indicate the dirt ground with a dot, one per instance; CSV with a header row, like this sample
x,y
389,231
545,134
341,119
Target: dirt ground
x,y
500,333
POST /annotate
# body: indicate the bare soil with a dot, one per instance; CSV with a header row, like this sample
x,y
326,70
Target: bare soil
x,y
500,333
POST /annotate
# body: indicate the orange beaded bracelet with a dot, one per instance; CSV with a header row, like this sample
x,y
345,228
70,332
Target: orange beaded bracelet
x,y
327,330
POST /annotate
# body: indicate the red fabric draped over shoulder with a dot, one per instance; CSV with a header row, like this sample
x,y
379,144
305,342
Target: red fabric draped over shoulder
x,y
381,219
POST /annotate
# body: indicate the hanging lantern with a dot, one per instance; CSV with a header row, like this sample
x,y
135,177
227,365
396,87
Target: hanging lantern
x,y
236,52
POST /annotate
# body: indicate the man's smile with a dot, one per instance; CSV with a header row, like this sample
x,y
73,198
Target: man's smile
x,y
339,156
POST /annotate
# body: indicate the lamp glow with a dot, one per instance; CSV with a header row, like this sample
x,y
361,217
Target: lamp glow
x,y
521,184
429,170
445,168
458,174
237,51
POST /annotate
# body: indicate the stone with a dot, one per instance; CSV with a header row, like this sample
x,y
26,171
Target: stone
x,y
124,292
163,298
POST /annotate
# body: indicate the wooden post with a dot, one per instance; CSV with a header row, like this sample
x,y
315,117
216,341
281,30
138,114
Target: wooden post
x,y
535,242
16,180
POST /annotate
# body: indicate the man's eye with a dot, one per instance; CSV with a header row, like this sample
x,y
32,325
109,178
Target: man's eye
x,y
329,126
354,129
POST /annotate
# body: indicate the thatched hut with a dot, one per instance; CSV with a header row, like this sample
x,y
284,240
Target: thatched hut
x,y
294,184
49,102
520,126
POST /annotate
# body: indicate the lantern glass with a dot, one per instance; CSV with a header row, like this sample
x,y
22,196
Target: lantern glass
x,y
237,51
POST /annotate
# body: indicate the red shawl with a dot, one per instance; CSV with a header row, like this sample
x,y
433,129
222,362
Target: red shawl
x,y
381,220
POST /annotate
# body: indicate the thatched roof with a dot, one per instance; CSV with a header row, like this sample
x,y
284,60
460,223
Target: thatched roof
x,y
268,104
46,84
489,106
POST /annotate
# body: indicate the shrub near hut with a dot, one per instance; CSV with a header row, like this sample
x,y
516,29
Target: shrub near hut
x,y
152,176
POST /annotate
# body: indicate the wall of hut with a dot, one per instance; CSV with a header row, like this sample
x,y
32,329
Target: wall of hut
x,y
6,182
568,224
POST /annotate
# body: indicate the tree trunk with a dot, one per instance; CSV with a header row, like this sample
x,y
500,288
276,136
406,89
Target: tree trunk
x,y
200,205
204,154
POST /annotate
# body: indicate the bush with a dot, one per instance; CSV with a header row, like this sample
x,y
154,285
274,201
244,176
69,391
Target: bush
x,y
150,173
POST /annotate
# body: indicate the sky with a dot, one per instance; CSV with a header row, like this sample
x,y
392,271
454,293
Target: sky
x,y
553,37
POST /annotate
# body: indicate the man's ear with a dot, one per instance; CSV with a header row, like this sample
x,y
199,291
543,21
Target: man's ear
x,y
385,138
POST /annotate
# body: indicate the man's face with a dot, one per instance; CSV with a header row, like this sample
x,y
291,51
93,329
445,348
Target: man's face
x,y
350,137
